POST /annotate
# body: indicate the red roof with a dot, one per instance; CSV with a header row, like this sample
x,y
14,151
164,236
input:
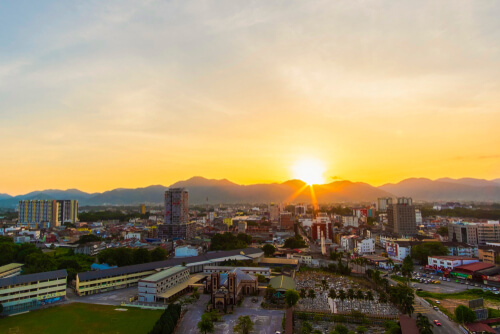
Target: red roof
x,y
472,267
479,327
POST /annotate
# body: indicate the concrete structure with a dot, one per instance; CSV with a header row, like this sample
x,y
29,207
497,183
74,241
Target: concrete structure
x,y
474,233
90,248
401,218
133,235
449,262
286,221
186,251
279,262
365,246
350,221
10,270
142,209
300,210
489,253
176,224
152,286
242,227
274,212
28,292
47,213
383,203
227,289
92,282
266,272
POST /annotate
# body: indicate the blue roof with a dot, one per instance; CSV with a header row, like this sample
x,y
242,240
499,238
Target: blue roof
x,y
103,266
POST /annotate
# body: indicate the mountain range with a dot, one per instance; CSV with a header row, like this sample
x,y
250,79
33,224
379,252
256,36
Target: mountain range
x,y
224,191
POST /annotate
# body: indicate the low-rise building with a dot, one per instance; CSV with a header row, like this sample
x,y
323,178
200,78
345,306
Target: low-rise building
x,y
90,248
365,246
10,270
266,272
489,253
449,262
186,251
28,292
150,287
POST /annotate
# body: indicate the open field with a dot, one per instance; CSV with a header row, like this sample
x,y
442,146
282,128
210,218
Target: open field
x,y
81,318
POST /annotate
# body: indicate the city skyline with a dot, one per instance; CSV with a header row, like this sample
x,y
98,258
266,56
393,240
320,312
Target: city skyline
x,y
131,94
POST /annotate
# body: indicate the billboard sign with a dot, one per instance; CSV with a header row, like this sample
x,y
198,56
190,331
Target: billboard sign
x,y
392,249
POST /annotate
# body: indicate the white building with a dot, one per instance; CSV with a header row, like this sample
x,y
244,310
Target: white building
x,y
449,262
150,287
418,217
350,221
365,246
186,251
306,222
266,272
132,235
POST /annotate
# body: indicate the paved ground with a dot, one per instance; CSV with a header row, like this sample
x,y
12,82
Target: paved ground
x,y
265,321
193,315
115,297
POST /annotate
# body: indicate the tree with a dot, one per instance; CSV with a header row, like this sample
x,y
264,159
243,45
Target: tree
x,y
407,267
361,329
8,251
302,293
311,294
426,249
369,295
360,294
158,254
382,298
205,325
196,294
443,231
268,249
4,238
392,327
38,263
306,328
341,329
350,295
291,297
244,325
261,278
342,296
423,324
464,314
141,255
332,294
270,291
89,238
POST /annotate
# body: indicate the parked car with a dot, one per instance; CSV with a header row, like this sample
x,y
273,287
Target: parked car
x,y
435,308
437,302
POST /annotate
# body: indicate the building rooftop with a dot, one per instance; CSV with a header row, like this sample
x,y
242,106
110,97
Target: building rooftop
x,y
272,260
164,274
10,266
452,257
248,252
474,266
33,277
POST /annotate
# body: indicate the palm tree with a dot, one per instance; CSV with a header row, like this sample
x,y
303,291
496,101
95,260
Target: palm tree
x,y
311,294
360,296
342,296
350,295
332,294
423,324
324,284
369,295
302,293
382,298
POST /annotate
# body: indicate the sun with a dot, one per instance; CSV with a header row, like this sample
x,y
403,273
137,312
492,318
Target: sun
x,y
310,171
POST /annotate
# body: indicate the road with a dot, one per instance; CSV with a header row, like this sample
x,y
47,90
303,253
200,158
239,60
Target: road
x,y
421,306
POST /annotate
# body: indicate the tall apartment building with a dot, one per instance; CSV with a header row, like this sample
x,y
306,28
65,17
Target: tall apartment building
x,y
176,224
474,233
383,203
274,212
47,213
401,217
286,221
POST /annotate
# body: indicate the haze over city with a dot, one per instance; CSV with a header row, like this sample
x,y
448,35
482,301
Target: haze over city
x,y
128,94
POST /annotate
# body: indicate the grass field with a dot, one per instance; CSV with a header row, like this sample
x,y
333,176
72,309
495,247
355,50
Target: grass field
x,y
82,318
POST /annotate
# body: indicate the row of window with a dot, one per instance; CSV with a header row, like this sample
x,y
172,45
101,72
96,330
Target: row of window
x,y
31,296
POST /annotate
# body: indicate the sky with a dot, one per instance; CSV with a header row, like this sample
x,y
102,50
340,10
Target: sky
x,y
97,95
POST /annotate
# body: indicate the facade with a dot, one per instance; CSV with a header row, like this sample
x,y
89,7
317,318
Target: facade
x,y
29,292
143,209
176,224
286,221
383,203
90,248
365,246
47,213
318,228
226,289
449,262
274,212
401,217
350,221
150,287
489,253
474,233
186,251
